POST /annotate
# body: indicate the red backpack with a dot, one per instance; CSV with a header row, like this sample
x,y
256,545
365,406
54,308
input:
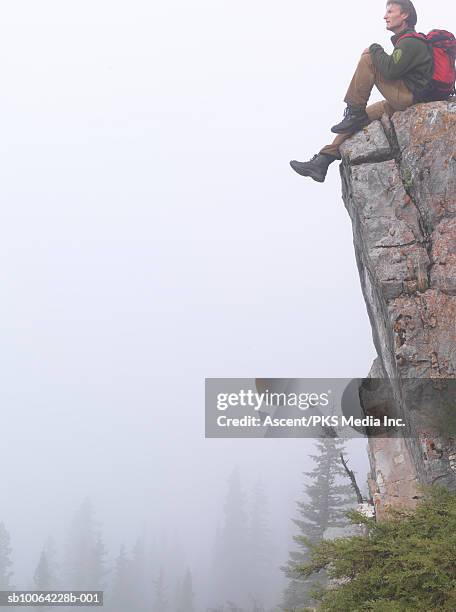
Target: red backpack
x,y
443,47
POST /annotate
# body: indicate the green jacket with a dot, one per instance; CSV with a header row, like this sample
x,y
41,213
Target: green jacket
x,y
410,61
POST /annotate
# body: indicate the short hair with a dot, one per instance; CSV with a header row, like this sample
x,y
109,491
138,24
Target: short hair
x,y
407,7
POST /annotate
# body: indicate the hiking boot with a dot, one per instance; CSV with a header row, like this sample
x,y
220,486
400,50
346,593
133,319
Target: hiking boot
x,y
355,118
316,168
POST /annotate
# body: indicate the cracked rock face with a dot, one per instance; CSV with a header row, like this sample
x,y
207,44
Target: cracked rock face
x,y
399,187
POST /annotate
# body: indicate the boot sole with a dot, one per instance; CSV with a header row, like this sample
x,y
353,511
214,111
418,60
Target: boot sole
x,y
309,173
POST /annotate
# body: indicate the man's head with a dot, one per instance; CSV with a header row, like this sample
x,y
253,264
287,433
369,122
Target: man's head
x,y
400,15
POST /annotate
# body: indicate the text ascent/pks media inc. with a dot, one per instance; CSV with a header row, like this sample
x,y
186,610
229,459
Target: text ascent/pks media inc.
x,y
311,421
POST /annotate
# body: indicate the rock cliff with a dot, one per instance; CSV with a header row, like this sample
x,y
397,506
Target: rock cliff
x,y
399,187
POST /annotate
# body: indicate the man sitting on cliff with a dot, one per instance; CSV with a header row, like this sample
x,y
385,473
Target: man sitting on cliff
x,y
401,78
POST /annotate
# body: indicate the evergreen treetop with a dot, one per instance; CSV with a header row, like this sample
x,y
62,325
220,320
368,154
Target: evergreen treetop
x,y
327,500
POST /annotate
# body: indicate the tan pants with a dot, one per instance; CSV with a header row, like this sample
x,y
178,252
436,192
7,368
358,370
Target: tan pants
x,y
397,97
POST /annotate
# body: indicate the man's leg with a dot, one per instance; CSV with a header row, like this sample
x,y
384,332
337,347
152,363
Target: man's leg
x,y
357,96
374,111
396,93
398,97
362,83
366,76
318,166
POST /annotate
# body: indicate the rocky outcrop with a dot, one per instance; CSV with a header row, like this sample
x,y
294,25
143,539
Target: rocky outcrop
x,y
399,187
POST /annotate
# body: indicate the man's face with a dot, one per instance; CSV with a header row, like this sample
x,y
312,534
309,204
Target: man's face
x,y
395,18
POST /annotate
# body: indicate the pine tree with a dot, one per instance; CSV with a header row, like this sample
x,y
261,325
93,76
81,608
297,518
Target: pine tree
x,y
261,548
404,563
51,557
243,552
328,498
216,574
138,579
42,576
45,577
121,589
85,552
5,560
97,570
160,603
186,597
235,563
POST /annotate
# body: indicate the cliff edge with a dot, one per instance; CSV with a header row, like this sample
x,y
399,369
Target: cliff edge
x,y
399,187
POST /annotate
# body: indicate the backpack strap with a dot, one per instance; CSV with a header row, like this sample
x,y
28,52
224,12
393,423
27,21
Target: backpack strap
x,y
417,35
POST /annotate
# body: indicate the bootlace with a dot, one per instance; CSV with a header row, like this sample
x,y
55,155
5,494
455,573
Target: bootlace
x,y
314,157
347,112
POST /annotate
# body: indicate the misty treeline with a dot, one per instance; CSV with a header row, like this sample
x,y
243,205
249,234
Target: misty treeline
x,y
150,577
134,581
244,573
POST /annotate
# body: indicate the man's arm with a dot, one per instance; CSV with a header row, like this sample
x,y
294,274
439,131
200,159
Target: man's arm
x,y
397,64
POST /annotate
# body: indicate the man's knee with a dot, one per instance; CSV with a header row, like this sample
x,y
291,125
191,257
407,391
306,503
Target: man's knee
x,y
366,58
376,110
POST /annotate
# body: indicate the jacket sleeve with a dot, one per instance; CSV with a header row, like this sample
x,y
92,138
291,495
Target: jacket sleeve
x,y
397,64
